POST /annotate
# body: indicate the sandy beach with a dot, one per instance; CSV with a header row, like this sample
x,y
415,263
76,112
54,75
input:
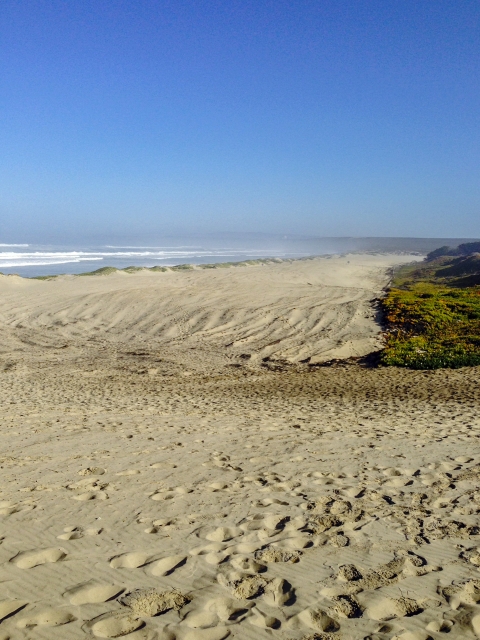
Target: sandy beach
x,y
177,464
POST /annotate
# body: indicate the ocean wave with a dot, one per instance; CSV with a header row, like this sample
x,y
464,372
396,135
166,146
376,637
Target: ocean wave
x,y
38,263
13,259
128,246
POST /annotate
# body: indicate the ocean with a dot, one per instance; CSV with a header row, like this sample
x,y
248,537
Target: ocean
x,y
32,259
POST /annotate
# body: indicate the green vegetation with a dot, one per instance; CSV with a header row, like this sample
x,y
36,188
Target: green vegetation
x,y
182,267
103,271
132,269
433,314
219,265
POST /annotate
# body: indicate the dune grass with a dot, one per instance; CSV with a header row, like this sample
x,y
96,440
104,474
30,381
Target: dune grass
x,y
103,271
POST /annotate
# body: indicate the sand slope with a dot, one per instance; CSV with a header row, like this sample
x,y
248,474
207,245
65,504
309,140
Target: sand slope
x,y
157,492
308,308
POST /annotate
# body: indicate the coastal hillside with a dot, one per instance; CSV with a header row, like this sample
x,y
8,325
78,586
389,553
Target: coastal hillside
x,y
432,311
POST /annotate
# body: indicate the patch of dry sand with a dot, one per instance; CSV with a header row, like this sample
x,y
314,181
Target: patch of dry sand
x,y
150,490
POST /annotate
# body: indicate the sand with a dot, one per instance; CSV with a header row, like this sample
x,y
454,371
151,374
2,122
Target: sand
x,y
176,465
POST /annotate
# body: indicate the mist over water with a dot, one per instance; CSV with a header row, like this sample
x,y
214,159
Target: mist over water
x,y
32,259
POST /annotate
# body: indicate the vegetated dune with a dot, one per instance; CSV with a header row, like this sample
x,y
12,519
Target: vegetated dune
x,y
150,492
318,309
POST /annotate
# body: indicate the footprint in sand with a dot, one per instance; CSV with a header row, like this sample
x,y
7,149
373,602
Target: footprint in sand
x,y
348,573
217,486
10,607
464,593
9,508
227,608
216,558
93,531
248,587
150,602
92,471
222,534
71,533
35,557
263,620
151,529
214,547
166,566
345,606
252,525
214,611
114,624
131,560
92,592
201,619
440,626
275,522
272,554
170,494
247,564
245,547
128,472
266,502
312,618
157,525
46,618
91,495
90,484
217,633
384,608
163,522
163,465
279,592
296,543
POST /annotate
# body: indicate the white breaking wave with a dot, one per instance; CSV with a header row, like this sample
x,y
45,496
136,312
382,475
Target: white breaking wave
x,y
127,246
2,244
13,259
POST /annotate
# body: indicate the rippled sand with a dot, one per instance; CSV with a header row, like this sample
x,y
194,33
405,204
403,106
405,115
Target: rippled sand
x,y
172,469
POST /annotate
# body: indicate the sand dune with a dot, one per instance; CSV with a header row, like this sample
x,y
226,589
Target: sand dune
x,y
153,491
318,309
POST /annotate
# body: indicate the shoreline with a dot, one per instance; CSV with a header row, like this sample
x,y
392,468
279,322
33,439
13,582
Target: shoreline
x,y
108,269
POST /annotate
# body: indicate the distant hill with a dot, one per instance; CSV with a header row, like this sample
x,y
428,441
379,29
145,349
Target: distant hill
x,y
461,272
465,249
432,311
457,266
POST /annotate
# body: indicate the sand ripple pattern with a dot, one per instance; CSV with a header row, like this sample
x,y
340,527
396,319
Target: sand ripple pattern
x,y
321,503
318,308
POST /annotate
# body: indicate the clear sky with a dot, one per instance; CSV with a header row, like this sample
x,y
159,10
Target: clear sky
x,y
323,117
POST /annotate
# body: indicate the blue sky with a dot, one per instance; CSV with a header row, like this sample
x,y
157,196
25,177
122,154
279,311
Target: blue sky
x,y
324,118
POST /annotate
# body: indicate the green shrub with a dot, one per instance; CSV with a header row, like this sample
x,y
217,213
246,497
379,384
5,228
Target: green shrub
x,y
432,326
103,271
